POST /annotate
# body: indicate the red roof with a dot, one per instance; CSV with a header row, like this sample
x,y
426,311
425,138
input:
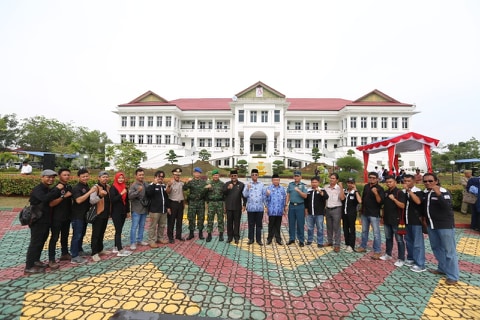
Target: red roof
x,y
203,104
406,142
314,104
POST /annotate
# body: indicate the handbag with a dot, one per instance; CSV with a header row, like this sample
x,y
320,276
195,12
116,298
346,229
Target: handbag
x,y
91,214
146,202
469,197
30,214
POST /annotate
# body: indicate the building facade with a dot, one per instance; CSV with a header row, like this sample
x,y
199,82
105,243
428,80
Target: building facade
x,y
261,125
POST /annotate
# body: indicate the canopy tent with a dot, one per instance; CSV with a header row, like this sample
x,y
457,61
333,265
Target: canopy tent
x,y
407,142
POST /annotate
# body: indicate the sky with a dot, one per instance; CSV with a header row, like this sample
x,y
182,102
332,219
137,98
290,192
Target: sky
x,y
76,61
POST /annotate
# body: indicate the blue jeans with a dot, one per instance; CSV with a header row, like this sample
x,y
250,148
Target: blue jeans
x,y
313,221
138,222
415,245
443,246
296,221
78,227
375,223
390,231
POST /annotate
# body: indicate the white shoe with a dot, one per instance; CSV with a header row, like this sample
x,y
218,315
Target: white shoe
x,y
133,246
399,263
409,263
96,257
385,257
124,253
416,268
143,243
114,250
349,249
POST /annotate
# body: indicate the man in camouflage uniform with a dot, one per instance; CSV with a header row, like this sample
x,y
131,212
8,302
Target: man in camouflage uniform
x,y
196,202
215,205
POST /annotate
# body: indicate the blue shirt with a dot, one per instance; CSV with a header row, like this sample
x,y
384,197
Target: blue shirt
x,y
276,200
294,195
255,196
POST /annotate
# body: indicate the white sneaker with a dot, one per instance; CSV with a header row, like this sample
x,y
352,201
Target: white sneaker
x,y
349,249
416,268
409,263
133,246
399,263
143,243
96,257
385,257
124,253
115,250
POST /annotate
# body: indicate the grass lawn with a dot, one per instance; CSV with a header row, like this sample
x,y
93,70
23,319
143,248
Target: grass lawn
x,y
20,202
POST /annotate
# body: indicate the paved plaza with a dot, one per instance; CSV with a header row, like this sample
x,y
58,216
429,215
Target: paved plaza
x,y
229,281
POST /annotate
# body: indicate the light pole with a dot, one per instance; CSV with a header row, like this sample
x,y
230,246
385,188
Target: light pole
x,y
452,163
85,157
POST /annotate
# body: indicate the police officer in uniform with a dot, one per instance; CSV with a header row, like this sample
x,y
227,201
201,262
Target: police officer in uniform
x,y
196,202
216,206
175,216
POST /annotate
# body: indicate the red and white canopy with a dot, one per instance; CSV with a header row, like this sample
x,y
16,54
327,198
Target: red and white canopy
x,y
407,142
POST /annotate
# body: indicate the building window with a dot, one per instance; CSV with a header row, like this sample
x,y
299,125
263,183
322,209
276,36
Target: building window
x,y
141,121
149,139
210,125
353,122
384,122
363,122
315,126
218,142
123,137
192,143
131,137
253,116
289,143
140,139
209,142
219,124
404,123
325,126
373,122
298,126
227,142
374,139
241,115
298,143
132,121
159,121
315,143
201,142
167,139
277,116
226,162
150,121
363,141
307,126
307,144
124,121
353,141
168,121
158,139
394,123
264,116
202,125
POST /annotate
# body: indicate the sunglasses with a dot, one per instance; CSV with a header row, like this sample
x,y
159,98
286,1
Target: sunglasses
x,y
430,181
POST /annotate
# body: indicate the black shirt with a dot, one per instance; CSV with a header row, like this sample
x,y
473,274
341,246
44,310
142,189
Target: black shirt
x,y
391,212
63,210
315,203
41,195
370,206
159,198
79,209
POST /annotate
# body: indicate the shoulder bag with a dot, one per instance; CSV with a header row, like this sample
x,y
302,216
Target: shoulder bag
x,y
91,214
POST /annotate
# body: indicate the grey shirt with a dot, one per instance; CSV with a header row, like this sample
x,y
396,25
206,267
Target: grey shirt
x,y
134,195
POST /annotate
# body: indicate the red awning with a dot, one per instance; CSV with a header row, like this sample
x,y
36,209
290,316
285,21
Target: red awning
x,y
407,142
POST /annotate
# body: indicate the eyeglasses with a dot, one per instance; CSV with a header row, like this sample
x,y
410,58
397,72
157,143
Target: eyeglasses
x,y
254,174
430,181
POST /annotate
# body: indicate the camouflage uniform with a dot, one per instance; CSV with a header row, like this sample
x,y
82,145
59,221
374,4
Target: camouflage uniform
x,y
215,206
196,203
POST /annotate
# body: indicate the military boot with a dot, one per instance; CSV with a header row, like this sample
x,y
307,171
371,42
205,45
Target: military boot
x,y
220,236
200,235
190,236
209,237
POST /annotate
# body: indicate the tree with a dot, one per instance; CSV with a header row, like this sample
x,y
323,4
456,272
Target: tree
x,y
125,156
8,131
316,154
242,166
171,157
278,166
204,155
350,152
42,134
350,163
91,143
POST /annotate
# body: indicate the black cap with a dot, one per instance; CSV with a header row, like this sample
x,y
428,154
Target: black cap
x,y
254,171
177,171
275,176
233,172
352,180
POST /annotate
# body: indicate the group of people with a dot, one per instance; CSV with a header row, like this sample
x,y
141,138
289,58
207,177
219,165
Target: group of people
x,y
406,214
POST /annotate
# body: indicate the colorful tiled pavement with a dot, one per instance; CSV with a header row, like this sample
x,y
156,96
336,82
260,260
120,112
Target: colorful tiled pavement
x,y
231,281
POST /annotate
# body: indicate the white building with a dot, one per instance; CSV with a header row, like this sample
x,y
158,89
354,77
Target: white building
x,y
260,125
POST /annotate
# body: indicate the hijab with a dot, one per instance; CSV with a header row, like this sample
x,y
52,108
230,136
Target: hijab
x,y
120,186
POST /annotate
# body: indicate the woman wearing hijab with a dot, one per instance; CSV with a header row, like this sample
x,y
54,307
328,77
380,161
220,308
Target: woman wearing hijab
x,y
120,209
